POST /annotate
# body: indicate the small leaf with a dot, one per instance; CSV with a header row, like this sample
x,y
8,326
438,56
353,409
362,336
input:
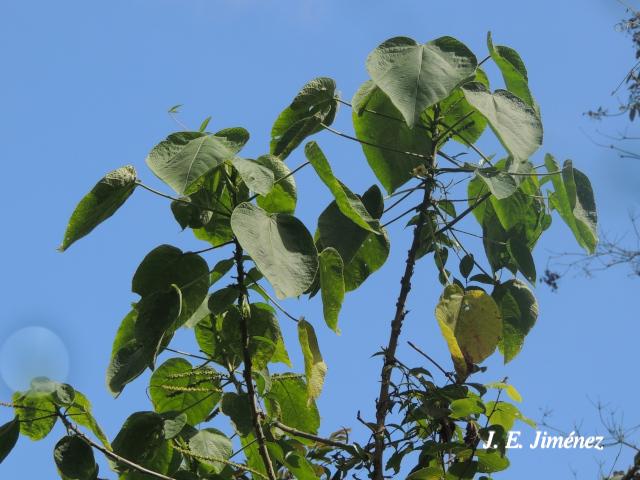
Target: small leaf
x,y
36,409
184,157
522,256
74,459
466,265
314,367
99,204
175,108
280,245
332,286
204,124
315,104
417,76
514,122
9,433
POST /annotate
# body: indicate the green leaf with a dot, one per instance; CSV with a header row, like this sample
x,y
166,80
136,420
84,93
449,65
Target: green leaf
x,y
332,286
427,473
349,204
81,413
417,76
288,400
362,252
491,461
184,157
466,124
505,414
515,123
139,439
204,124
470,323
522,256
190,214
509,389
283,196
141,336
465,407
74,459
211,448
236,407
385,128
574,201
280,245
466,265
99,204
519,311
513,70
9,433
315,104
500,183
167,265
258,178
236,137
176,386
314,367
36,409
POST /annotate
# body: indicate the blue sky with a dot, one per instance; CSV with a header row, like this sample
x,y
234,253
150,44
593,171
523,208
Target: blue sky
x,y
85,89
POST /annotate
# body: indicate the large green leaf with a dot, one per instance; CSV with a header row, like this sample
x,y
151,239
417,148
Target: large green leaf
x,y
289,401
500,183
257,177
513,70
471,323
167,265
417,76
176,386
315,104
212,448
521,255
283,196
141,435
9,433
349,204
519,311
574,201
362,252
184,157
99,204
386,138
332,286
74,459
280,245
314,367
515,123
236,407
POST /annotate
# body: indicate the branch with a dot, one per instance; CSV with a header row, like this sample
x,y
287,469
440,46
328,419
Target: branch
x,y
108,453
315,438
247,373
383,404
449,225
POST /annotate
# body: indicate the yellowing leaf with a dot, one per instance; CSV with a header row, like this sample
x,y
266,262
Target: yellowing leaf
x,y
314,367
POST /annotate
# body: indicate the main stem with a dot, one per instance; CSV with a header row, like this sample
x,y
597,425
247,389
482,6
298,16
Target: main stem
x,y
383,404
247,373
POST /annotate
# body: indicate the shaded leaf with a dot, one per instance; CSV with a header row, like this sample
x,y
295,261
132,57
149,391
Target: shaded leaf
x,y
332,286
74,459
99,204
9,433
513,70
280,245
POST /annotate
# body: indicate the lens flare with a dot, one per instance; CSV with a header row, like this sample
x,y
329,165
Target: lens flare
x,y
33,352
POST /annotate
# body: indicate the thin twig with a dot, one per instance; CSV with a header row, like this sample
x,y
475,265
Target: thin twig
x,y
309,436
449,375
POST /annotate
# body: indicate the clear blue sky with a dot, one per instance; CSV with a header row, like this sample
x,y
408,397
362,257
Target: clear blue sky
x,y
85,88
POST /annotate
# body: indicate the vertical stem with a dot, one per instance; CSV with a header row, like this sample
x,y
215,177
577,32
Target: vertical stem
x,y
383,403
247,373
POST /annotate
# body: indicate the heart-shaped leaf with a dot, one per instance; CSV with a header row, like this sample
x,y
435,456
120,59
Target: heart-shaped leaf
x,y
417,76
